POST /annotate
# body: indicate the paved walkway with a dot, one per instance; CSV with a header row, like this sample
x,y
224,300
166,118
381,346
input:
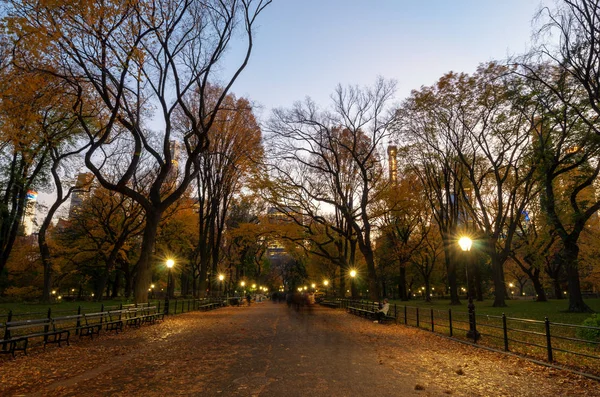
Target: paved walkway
x,y
270,350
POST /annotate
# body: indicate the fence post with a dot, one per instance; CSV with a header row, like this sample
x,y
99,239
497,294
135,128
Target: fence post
x,y
548,340
432,330
405,316
188,305
417,317
78,320
450,320
472,333
505,329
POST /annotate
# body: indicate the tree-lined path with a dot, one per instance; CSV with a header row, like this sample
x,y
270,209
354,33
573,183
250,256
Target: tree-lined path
x,y
269,350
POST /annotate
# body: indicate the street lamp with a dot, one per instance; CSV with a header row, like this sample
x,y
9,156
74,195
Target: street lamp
x,y
326,284
221,278
352,286
465,244
170,264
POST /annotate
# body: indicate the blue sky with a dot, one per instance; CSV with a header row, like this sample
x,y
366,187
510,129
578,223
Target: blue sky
x,y
306,47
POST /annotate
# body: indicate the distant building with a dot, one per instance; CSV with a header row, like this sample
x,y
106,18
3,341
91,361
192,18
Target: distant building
x,y
280,216
393,163
28,222
175,149
83,191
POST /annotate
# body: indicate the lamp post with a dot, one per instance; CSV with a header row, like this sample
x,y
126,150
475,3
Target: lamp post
x,y
221,278
352,286
170,264
465,244
326,284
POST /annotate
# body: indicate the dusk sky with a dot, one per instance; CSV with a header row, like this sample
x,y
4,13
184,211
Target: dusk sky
x,y
306,47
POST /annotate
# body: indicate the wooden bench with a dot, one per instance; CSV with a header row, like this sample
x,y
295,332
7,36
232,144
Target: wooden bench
x,y
74,322
208,306
92,324
7,345
113,320
151,315
360,311
331,304
388,319
28,329
133,317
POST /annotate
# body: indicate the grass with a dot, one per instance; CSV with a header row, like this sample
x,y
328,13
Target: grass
x,y
555,310
523,337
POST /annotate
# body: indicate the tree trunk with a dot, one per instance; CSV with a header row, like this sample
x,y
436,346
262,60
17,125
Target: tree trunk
x,y
143,275
204,255
478,282
128,282
46,263
402,290
569,254
101,285
342,290
499,285
557,289
367,252
449,256
537,285
116,285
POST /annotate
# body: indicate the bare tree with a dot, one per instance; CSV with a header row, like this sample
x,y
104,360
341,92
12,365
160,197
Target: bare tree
x,y
136,63
233,154
568,153
483,139
576,25
332,159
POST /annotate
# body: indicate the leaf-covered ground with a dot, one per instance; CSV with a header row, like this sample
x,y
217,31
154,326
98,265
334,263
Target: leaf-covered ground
x,y
270,350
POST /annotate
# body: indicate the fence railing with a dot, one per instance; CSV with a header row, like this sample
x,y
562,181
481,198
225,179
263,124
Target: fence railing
x,y
176,306
559,343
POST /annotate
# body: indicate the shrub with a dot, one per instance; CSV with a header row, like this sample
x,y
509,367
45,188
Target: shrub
x,y
592,335
23,293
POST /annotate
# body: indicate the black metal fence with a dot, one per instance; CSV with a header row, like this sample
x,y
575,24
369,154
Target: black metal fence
x,y
565,344
176,306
